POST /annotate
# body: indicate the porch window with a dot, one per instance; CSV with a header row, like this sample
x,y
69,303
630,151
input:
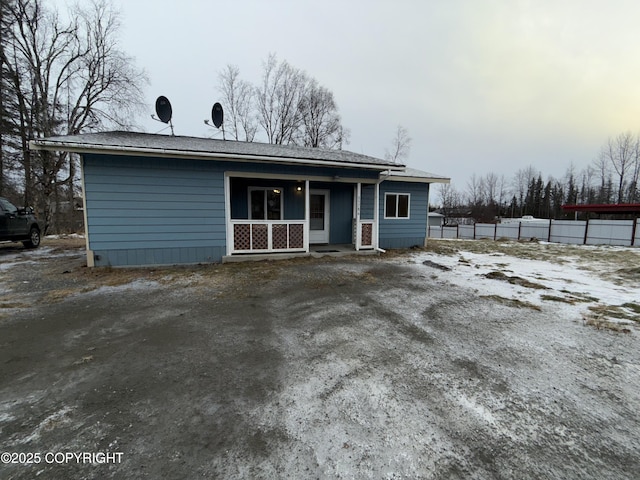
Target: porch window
x,y
396,205
265,203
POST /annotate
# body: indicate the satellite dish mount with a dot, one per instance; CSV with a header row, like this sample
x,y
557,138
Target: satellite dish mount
x,y
217,116
164,111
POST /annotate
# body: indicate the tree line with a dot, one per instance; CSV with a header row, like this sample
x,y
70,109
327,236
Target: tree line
x,y
612,177
59,77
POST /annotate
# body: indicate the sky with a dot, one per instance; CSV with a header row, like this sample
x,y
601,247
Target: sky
x,y
481,85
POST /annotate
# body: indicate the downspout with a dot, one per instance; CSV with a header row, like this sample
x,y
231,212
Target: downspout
x,y
376,214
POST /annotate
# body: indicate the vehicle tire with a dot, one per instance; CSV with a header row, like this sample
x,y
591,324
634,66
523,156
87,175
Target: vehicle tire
x,y
34,239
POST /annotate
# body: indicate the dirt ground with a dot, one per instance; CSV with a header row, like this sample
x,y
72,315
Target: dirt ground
x,y
357,367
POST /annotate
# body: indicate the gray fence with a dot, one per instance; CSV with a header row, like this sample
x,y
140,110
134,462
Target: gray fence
x,y
580,232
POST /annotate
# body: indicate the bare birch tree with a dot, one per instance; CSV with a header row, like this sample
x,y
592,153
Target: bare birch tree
x,y
238,99
321,125
400,146
279,97
288,105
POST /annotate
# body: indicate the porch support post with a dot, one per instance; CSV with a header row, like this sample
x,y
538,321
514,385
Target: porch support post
x,y
227,213
358,238
376,215
307,215
91,260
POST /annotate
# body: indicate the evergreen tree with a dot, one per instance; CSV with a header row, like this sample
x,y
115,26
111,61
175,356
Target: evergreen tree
x,y
572,192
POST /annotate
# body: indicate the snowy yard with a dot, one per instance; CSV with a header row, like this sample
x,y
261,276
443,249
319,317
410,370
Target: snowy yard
x,y
600,284
468,359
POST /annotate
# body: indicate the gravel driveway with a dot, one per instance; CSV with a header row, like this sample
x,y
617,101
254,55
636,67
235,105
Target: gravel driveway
x,y
359,367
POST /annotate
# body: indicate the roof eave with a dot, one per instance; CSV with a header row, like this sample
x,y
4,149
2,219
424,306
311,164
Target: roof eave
x,y
400,178
74,147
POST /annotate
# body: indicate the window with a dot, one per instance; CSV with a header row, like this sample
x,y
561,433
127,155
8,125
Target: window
x,y
265,203
396,205
7,206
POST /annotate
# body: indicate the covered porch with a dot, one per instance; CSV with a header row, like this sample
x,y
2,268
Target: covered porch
x,y
286,214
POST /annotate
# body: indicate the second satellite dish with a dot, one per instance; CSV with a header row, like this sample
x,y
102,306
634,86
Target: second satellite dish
x,y
217,114
163,109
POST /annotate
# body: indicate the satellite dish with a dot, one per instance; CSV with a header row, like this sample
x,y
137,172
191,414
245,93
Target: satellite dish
x,y
163,109
217,114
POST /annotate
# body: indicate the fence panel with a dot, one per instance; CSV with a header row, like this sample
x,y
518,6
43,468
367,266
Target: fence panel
x,y
485,230
435,232
610,232
600,232
449,232
534,230
465,231
507,230
568,231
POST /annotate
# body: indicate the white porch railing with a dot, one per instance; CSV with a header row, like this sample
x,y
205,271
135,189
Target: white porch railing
x,y
268,236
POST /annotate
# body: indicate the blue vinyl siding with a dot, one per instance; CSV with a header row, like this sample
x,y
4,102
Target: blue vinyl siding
x,y
401,232
367,196
154,211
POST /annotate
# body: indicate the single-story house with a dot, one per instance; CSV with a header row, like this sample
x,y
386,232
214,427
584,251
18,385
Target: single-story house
x,y
159,199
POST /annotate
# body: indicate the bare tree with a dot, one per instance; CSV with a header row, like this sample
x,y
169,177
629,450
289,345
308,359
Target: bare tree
x,y
521,182
476,191
288,105
5,27
400,145
321,126
622,154
66,77
283,88
238,97
603,170
491,188
451,201
502,192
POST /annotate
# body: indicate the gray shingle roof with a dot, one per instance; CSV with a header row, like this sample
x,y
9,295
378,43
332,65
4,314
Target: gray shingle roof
x,y
419,175
166,145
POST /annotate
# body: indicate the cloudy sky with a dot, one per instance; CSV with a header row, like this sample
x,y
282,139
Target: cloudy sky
x,y
481,85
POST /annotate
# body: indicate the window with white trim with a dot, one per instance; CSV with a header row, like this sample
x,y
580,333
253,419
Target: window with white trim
x,y
265,203
396,205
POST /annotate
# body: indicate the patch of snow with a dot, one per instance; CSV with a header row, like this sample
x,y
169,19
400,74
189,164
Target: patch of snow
x,y
567,279
64,235
5,417
478,410
52,421
135,285
7,266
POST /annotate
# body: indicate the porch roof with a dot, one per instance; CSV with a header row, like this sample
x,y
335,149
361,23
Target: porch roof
x,y
145,144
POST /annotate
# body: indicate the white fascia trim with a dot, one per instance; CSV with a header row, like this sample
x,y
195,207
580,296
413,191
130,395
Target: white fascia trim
x,y
300,178
395,178
187,154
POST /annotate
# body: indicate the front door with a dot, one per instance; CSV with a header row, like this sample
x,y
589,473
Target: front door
x,y
319,216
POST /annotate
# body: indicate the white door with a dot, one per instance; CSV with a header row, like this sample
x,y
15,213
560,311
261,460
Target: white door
x,y
319,216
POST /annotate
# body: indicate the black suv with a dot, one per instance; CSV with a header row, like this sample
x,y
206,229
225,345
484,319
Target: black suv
x,y
19,224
